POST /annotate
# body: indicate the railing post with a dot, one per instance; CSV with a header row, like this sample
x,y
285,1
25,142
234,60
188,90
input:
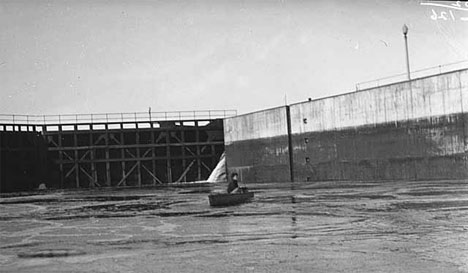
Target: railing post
x,y
13,119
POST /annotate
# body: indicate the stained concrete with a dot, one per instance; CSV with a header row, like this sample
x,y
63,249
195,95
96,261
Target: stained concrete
x,y
288,227
260,160
415,130
411,150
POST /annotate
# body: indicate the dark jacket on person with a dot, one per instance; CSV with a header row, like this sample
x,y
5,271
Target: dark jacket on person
x,y
232,186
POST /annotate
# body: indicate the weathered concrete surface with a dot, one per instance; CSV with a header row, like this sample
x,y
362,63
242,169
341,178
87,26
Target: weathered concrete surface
x,y
414,130
302,227
410,130
413,150
435,96
258,125
260,160
256,146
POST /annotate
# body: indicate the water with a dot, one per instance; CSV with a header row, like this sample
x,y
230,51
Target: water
x,y
288,227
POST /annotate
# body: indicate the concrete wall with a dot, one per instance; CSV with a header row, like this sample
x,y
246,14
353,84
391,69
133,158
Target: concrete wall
x,y
256,145
440,95
409,130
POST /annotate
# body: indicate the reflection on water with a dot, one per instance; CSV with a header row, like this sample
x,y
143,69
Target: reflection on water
x,y
293,218
308,213
293,212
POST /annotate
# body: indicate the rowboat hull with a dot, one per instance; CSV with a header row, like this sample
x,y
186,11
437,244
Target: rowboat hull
x,y
229,199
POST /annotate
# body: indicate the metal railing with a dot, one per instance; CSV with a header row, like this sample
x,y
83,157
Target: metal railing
x,y
115,117
435,70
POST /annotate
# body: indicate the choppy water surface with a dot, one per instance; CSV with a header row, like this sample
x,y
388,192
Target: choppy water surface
x,y
303,227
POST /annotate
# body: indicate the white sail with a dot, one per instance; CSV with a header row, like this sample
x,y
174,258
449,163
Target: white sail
x,y
219,172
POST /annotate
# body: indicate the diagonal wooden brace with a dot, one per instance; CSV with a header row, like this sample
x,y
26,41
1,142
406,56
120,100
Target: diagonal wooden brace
x,y
186,171
127,174
152,175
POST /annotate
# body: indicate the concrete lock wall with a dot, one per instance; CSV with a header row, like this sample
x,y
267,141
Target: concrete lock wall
x,y
256,145
409,130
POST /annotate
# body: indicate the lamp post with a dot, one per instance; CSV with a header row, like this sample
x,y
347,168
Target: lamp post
x,y
405,32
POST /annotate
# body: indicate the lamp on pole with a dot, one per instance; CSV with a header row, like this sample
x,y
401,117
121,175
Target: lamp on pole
x,y
405,32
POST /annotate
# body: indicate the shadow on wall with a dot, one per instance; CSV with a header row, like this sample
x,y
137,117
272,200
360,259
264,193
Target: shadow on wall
x,y
414,130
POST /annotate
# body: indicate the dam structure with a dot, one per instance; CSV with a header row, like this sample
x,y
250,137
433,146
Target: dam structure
x,y
109,150
410,130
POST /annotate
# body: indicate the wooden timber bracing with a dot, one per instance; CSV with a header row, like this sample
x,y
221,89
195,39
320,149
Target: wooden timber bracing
x,y
131,153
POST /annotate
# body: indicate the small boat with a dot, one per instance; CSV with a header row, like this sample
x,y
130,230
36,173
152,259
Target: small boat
x,y
229,199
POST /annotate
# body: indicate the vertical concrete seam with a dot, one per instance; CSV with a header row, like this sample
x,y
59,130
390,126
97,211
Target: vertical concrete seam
x,y
462,112
461,92
290,147
1,154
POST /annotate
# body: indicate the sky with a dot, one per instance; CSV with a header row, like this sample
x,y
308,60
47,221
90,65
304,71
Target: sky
x,y
79,56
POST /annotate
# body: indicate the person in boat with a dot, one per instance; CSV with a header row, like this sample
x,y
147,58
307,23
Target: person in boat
x,y
233,186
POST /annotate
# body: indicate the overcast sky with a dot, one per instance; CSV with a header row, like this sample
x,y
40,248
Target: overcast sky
x,y
60,57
